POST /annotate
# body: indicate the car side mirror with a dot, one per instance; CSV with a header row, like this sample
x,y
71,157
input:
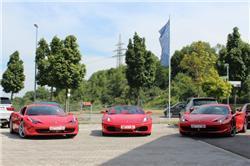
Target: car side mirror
x,y
191,109
186,112
238,110
103,112
148,112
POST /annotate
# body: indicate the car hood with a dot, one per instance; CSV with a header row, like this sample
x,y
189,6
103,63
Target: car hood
x,y
203,117
53,119
127,118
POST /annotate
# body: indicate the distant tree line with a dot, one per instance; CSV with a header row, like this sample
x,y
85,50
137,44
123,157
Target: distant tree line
x,y
197,70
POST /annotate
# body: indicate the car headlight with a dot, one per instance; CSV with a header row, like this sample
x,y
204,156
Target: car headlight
x,y
221,120
73,120
145,119
108,119
183,119
34,120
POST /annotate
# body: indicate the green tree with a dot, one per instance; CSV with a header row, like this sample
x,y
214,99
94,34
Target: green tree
x,y
183,87
42,54
161,76
216,87
141,66
68,70
236,54
13,78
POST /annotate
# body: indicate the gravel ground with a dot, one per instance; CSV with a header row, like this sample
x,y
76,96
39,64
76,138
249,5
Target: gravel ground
x,y
164,147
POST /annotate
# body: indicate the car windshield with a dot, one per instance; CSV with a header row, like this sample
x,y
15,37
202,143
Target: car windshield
x,y
5,100
45,110
125,110
199,102
217,110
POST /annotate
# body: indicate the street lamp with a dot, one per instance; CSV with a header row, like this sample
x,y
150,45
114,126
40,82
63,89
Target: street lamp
x,y
36,26
227,65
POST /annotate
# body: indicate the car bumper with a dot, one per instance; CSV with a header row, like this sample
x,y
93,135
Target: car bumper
x,y
5,116
210,128
37,130
144,128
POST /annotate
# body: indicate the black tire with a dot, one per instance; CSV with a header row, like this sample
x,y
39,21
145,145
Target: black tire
x,y
11,126
70,135
232,130
244,128
104,134
21,131
183,134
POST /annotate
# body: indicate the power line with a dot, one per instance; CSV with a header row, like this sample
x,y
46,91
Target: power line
x,y
119,52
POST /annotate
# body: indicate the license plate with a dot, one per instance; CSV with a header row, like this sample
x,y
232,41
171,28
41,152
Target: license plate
x,y
198,126
128,127
55,128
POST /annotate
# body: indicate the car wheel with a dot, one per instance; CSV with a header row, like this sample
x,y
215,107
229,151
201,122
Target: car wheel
x,y
11,126
104,134
70,135
21,130
232,131
244,128
183,134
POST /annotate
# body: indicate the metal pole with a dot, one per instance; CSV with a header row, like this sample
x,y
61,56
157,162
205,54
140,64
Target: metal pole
x,y
36,26
227,79
169,77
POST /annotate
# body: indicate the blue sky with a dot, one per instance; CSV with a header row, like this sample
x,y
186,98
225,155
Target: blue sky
x,y
97,27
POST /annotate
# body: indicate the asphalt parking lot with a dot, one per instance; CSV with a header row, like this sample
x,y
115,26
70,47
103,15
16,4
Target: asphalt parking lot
x,y
164,147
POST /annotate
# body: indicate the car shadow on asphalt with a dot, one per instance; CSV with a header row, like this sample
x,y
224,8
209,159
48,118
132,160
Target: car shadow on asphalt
x,y
176,150
98,133
16,136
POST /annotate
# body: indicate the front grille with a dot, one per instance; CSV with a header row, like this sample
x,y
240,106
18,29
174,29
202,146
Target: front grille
x,y
113,129
207,129
143,128
67,130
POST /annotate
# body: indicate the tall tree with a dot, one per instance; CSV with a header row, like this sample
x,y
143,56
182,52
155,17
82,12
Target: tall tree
x,y
42,54
68,70
141,66
236,54
13,78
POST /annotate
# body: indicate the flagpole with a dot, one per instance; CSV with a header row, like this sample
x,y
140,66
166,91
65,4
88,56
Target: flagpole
x,y
169,77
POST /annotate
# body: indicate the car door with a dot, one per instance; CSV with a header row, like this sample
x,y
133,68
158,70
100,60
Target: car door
x,y
240,118
17,117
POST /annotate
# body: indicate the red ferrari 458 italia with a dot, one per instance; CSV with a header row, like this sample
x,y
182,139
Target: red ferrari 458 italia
x,y
212,118
43,119
126,119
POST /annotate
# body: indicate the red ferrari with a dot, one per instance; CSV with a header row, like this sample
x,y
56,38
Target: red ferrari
x,y
43,119
212,119
126,119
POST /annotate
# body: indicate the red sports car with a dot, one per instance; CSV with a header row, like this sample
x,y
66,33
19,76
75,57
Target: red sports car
x,y
211,118
126,119
43,119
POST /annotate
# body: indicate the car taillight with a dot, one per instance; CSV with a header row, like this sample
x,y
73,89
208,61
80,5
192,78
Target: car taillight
x,y
10,108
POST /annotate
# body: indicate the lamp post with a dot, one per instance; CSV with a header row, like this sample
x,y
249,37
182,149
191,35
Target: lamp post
x,y
36,26
227,65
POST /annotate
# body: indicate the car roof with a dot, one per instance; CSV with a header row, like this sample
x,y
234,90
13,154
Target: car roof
x,y
225,105
194,98
41,104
